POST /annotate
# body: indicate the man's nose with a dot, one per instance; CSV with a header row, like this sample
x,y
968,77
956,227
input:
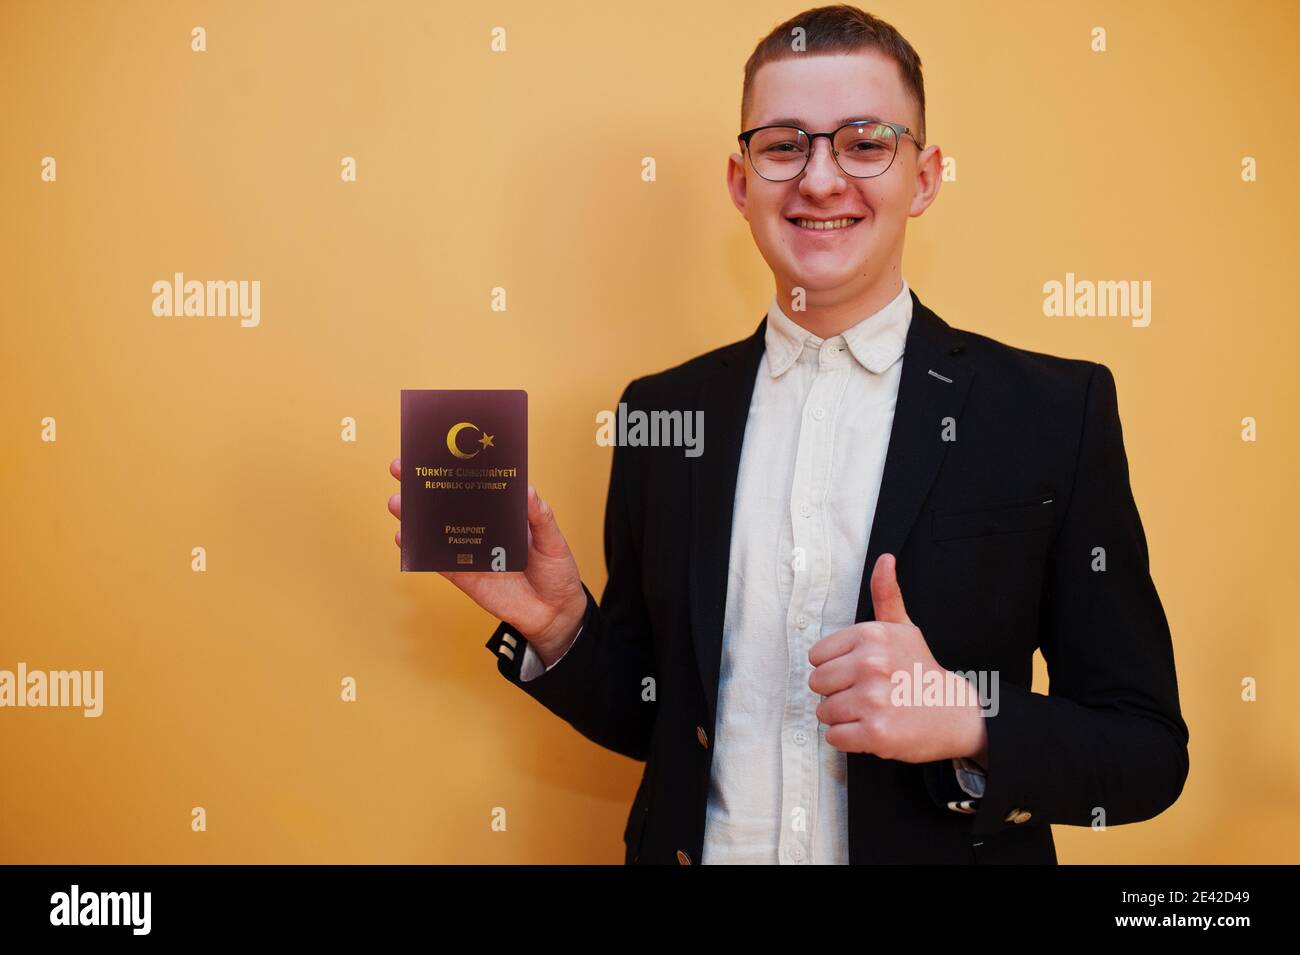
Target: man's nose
x,y
822,174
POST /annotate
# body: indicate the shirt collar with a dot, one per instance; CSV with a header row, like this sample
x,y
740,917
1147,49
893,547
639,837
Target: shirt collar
x,y
876,341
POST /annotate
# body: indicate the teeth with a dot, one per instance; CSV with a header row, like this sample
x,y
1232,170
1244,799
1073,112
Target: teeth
x,y
823,226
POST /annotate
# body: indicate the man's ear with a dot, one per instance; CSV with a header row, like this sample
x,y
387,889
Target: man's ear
x,y
737,184
929,175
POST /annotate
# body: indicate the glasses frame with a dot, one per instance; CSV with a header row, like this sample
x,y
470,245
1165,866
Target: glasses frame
x,y
899,132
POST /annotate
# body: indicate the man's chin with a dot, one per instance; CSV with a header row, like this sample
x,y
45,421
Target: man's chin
x,y
810,277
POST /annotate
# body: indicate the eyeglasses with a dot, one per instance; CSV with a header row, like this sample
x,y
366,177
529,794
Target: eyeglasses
x,y
862,150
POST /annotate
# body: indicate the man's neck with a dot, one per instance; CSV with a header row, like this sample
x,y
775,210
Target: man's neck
x,y
828,318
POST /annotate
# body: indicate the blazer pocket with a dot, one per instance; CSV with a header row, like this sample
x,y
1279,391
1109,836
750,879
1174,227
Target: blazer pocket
x,y
1006,518
1026,845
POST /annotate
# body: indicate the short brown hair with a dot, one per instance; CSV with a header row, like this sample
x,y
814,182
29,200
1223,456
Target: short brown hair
x,y
839,29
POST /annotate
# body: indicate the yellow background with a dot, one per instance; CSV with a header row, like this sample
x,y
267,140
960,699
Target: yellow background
x,y
522,169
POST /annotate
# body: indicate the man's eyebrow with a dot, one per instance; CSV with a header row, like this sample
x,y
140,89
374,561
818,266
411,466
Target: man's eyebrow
x,y
791,121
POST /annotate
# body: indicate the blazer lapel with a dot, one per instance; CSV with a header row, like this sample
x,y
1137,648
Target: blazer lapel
x,y
932,387
724,397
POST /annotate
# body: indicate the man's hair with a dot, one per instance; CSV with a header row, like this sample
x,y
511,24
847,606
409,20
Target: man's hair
x,y
839,29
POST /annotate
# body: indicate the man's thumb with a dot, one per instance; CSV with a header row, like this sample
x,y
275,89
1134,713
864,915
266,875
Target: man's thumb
x,y
886,597
546,536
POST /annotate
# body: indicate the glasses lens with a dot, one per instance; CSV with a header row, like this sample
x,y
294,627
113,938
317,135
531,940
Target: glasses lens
x,y
867,149
778,152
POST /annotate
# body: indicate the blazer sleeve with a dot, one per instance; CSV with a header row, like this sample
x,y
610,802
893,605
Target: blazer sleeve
x,y
604,686
1108,737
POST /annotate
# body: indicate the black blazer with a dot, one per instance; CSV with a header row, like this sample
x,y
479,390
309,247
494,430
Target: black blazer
x,y
997,535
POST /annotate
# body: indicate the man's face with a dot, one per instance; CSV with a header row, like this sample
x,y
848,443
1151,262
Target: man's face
x,y
821,92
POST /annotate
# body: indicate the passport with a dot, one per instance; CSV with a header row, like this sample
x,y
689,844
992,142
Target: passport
x,y
464,480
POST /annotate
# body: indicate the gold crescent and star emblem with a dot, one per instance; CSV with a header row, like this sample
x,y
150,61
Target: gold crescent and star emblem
x,y
485,441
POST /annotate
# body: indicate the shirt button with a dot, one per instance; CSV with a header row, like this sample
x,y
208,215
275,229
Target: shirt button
x,y
702,736
800,737
802,621
683,858
819,413
805,509
796,853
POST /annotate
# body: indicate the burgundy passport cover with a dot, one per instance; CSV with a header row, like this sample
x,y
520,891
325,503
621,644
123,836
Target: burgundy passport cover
x,y
464,480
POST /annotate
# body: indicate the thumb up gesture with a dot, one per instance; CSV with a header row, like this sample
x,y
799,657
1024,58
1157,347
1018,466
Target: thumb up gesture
x,y
867,673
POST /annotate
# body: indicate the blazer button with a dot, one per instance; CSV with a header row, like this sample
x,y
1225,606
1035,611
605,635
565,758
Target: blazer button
x,y
683,858
702,736
1018,816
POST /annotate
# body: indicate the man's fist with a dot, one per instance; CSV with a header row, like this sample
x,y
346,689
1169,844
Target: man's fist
x,y
857,669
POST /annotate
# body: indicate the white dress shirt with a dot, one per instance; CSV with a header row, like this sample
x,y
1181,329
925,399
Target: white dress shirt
x,y
810,470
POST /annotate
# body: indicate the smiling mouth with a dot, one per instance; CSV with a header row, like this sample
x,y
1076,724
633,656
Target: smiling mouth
x,y
827,225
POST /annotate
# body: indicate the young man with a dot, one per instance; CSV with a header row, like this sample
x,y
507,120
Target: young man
x,y
888,514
